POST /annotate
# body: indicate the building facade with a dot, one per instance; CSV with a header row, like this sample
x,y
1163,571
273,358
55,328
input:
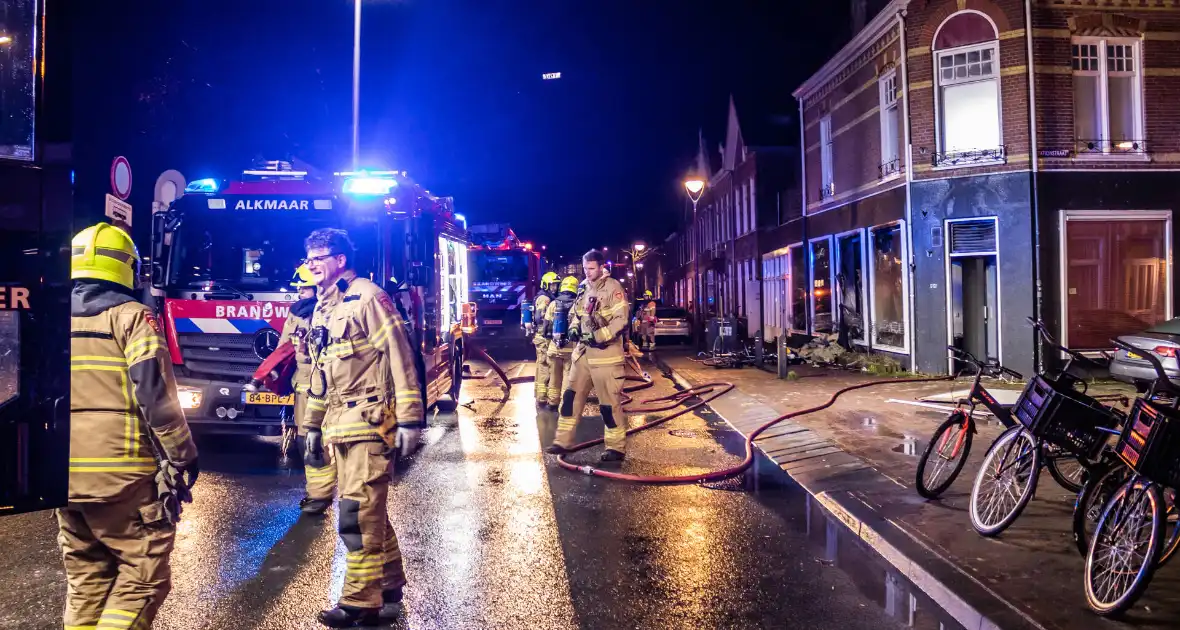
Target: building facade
x,y
969,164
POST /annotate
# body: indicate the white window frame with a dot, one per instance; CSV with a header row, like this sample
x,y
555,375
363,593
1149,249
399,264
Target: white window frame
x,y
752,204
1104,96
890,99
826,158
946,279
829,282
864,290
1108,215
906,315
794,250
994,46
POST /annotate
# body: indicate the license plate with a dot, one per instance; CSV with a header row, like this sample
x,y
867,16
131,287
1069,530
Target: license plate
x,y
1132,355
267,398
494,322
727,331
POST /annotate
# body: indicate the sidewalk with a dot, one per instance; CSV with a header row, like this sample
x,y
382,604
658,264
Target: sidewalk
x,y
858,459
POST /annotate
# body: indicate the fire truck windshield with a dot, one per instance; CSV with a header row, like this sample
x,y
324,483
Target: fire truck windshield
x,y
500,266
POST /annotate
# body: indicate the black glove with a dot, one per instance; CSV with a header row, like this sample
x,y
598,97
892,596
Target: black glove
x,y
190,474
313,451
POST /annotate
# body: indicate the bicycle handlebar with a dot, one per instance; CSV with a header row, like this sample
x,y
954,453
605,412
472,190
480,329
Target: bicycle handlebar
x,y
1039,326
991,369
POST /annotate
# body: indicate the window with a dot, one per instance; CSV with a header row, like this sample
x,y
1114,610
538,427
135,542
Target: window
x,y
850,285
740,217
827,183
775,280
889,285
751,207
967,72
17,83
1106,97
1117,276
821,286
890,162
797,283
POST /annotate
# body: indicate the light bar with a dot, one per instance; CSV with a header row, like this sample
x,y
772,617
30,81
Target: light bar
x,y
368,185
363,173
269,173
208,185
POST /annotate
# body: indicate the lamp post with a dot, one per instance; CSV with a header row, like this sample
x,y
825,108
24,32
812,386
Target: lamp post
x,y
356,84
695,188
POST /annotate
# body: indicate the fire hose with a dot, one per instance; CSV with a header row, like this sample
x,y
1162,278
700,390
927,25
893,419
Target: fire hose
x,y
703,395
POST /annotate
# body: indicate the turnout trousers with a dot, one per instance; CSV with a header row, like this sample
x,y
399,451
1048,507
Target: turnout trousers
x,y
544,369
558,364
116,558
605,375
320,482
374,561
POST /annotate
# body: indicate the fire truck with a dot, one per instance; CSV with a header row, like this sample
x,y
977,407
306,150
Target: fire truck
x,y
505,273
223,255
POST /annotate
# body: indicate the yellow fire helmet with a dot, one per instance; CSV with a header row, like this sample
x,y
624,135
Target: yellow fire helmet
x,y
647,294
570,284
303,277
104,252
548,280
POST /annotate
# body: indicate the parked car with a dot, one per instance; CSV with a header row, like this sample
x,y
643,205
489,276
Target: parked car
x,y
672,322
1162,340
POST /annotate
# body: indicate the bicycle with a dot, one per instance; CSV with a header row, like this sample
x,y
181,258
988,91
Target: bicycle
x,y
1149,446
1056,420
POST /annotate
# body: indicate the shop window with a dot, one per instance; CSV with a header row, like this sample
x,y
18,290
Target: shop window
x,y
967,72
821,286
799,292
890,287
1117,275
1107,113
850,285
9,356
18,40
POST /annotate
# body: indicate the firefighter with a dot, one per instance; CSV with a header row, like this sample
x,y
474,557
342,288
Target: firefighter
x,y
319,472
541,339
598,318
559,350
365,406
647,324
132,457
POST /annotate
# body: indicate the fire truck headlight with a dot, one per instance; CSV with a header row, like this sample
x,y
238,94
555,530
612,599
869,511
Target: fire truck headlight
x,y
190,397
208,185
368,186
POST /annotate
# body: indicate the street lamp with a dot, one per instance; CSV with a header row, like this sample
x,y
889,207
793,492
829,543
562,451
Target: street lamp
x,y
5,40
356,84
695,188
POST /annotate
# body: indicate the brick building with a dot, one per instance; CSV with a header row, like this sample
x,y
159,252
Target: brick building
x,y
750,187
971,163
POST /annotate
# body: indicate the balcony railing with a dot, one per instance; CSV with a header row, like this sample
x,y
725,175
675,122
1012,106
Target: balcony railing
x,y
970,157
892,167
1111,147
827,191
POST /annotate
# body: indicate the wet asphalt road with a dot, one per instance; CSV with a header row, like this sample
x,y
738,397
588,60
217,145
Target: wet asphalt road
x,y
494,536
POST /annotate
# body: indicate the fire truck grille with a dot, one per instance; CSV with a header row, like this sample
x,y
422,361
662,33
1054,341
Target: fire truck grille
x,y
219,355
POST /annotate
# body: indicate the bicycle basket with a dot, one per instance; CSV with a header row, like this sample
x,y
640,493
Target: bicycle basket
x,y
1150,442
1063,417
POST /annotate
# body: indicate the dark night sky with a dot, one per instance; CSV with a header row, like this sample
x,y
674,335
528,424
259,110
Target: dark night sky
x,y
451,91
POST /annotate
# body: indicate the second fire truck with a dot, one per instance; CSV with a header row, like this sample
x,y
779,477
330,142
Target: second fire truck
x,y
505,274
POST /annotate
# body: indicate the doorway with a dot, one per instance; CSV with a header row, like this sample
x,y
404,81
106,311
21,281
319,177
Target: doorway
x,y
973,288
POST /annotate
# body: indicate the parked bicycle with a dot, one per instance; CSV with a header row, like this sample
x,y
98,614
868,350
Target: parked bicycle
x,y
1132,537
1056,420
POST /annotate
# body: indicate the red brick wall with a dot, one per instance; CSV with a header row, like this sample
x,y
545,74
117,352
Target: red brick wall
x,y
1161,80
852,98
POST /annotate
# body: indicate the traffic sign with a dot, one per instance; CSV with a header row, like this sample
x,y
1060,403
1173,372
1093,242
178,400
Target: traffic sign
x,y
118,210
121,177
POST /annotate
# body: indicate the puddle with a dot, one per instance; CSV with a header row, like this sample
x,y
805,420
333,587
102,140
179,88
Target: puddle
x,y
909,446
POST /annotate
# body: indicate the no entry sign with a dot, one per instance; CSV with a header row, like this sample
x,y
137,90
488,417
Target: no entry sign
x,y
121,178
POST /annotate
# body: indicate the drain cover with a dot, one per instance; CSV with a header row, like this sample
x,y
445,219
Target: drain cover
x,y
684,433
732,484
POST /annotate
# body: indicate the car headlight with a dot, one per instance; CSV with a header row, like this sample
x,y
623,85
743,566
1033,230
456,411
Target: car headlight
x,y
190,397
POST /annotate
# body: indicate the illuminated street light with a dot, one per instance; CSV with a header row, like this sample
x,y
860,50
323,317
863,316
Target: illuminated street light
x,y
695,188
5,39
639,247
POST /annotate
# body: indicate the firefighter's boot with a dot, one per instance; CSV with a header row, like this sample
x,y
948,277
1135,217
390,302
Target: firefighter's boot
x,y
314,506
391,608
611,455
349,617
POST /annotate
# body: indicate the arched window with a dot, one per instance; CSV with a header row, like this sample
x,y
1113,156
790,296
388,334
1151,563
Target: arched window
x,y
967,75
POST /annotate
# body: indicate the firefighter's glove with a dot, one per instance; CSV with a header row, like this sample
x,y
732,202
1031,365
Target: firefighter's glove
x,y
190,473
172,490
406,440
313,449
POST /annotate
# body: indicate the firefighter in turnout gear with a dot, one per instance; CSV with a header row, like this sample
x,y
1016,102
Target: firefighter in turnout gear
x,y
365,404
559,351
647,323
597,320
132,458
320,473
541,337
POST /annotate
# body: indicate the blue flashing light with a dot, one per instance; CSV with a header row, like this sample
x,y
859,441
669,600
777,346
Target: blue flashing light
x,y
461,218
207,185
368,185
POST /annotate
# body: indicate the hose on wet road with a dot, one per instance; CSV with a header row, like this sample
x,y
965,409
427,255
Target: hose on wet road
x,y
686,401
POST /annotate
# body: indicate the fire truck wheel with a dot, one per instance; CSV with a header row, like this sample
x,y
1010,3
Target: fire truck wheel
x,y
447,406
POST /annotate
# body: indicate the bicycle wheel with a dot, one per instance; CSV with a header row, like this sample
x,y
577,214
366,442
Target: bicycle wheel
x,y
1067,470
1105,479
1116,573
1171,526
1006,482
950,445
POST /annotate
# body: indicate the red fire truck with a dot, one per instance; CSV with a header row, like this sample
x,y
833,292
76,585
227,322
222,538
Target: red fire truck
x,y
223,255
505,273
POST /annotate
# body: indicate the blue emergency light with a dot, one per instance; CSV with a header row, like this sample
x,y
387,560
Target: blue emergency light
x,y
368,185
207,185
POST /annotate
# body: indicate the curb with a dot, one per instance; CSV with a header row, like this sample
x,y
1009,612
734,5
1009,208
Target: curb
x,y
959,594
